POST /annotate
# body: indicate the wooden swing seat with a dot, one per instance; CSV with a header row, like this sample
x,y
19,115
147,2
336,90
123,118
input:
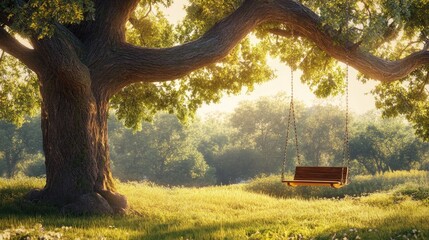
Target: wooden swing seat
x,y
335,177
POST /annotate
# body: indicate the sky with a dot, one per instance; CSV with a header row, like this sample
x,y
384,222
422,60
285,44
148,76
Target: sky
x,y
360,100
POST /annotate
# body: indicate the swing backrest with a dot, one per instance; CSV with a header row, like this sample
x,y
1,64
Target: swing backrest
x,y
321,173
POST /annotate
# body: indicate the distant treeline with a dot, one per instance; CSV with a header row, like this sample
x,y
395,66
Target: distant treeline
x,y
225,148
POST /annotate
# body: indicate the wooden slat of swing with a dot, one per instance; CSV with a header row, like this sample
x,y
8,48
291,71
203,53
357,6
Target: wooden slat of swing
x,y
335,177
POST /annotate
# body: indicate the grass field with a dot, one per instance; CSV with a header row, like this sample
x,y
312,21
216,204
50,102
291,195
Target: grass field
x,y
391,206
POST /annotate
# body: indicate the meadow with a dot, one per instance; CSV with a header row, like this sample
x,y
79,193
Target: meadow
x,y
389,206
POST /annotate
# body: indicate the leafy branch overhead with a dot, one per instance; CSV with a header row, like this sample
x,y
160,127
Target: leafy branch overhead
x,y
220,47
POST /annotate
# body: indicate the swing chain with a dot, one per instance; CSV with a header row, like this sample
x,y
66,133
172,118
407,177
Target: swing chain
x,y
293,117
346,149
292,107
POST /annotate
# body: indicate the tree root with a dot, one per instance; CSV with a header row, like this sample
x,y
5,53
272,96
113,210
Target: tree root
x,y
95,203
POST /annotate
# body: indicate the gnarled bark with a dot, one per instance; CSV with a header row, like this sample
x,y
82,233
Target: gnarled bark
x,y
74,126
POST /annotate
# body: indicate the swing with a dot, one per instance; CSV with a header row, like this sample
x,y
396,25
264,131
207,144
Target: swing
x,y
335,177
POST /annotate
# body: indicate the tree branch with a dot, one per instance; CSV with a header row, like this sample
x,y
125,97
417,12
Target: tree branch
x,y
133,64
13,47
112,15
284,33
107,28
62,54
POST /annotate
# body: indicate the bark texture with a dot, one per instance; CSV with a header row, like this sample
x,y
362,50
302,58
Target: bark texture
x,y
81,66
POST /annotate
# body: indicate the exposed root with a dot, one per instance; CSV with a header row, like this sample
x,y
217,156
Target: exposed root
x,y
89,204
94,203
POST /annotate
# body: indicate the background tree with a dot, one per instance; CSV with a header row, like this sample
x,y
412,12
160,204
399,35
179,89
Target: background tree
x,y
261,125
210,150
17,143
9,145
235,165
382,145
164,152
322,135
83,59
215,136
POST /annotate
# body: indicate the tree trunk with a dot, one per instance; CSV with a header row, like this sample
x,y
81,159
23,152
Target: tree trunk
x,y
9,164
74,126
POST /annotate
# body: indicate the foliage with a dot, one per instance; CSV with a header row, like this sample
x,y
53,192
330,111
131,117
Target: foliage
x,y
164,151
32,165
244,67
236,165
233,147
261,126
389,29
227,212
37,17
386,144
322,135
19,91
21,143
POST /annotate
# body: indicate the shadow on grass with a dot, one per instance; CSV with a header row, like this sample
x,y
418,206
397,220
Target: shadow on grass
x,y
12,202
387,228
393,227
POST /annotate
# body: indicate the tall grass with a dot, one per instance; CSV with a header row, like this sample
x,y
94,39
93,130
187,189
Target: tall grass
x,y
359,185
224,212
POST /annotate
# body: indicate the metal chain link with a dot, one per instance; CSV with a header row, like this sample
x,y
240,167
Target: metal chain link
x,y
346,150
293,117
292,106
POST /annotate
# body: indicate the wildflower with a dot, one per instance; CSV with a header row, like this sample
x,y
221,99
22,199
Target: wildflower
x,y
66,228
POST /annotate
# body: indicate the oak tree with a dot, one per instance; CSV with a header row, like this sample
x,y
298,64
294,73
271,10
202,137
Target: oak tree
x,y
84,64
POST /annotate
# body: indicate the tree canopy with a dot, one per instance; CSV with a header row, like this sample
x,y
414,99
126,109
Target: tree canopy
x,y
385,40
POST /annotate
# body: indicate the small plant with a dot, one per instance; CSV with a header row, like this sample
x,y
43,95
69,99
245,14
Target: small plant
x,y
35,232
420,193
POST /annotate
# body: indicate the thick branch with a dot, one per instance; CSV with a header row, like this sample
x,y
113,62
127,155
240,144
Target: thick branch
x,y
13,47
284,33
133,64
62,55
111,17
115,11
